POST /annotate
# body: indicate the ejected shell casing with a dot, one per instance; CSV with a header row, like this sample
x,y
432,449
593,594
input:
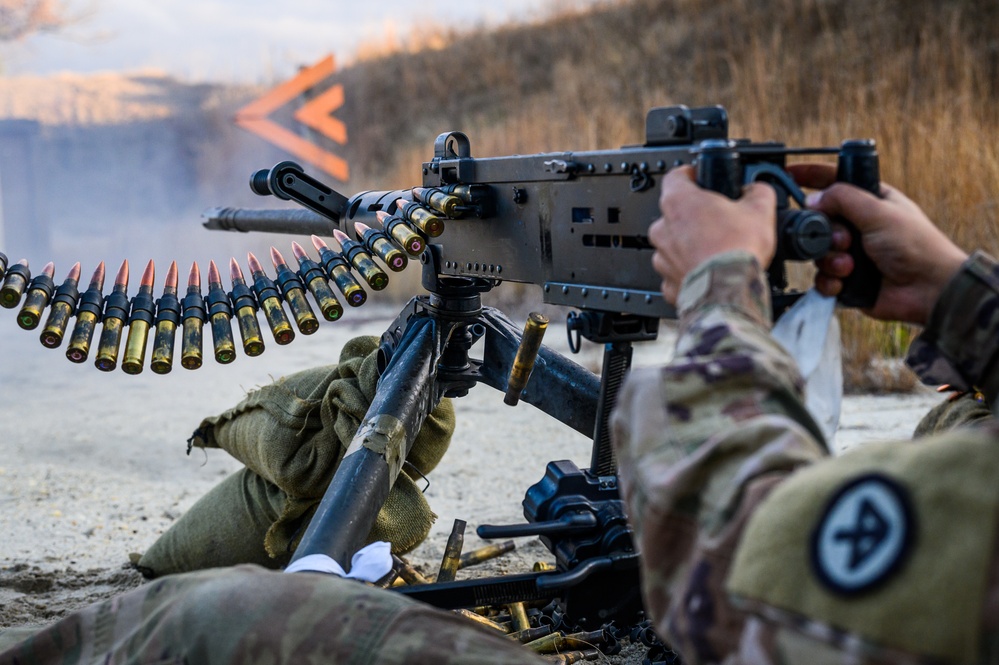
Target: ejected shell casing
x,y
531,634
361,260
518,616
220,314
572,657
39,293
422,217
14,284
399,229
556,642
194,316
140,321
543,567
452,552
116,308
63,307
438,200
293,290
378,243
486,553
269,299
407,572
523,363
3,264
481,620
88,315
245,307
167,320
313,276
338,269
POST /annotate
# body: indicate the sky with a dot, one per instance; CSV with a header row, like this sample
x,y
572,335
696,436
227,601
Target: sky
x,y
246,41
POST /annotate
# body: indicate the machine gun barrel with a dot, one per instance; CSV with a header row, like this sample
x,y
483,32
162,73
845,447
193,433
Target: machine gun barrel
x,y
290,221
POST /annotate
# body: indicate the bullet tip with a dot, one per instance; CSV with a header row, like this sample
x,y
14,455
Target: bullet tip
x,y
298,251
234,270
213,273
361,228
318,243
276,257
171,276
74,272
121,279
49,269
194,277
254,264
339,235
148,275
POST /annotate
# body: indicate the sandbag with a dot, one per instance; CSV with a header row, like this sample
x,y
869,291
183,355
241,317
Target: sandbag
x,y
292,435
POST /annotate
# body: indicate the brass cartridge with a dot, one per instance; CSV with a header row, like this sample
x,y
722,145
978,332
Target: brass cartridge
x,y
338,269
361,260
194,316
116,307
220,315
531,634
313,276
14,283
379,244
399,229
485,553
527,353
293,290
557,642
452,552
269,299
245,307
63,307
88,315
437,200
39,292
518,616
571,657
543,567
167,320
481,620
423,218
140,321
409,574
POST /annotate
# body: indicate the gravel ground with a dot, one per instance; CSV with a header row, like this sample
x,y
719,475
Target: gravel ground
x,y
93,465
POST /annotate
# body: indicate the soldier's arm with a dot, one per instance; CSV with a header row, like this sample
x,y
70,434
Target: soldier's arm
x,y
700,444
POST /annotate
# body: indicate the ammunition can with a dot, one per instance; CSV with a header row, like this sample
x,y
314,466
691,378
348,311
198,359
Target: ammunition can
x,y
167,320
452,552
293,290
423,218
481,620
39,294
339,271
14,284
116,308
140,321
192,341
527,353
63,307
486,553
220,314
87,317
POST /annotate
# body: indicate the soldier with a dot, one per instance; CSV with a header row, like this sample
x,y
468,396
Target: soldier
x,y
757,546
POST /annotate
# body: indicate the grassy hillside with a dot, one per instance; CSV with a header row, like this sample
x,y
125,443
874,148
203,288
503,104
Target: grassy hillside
x,y
917,75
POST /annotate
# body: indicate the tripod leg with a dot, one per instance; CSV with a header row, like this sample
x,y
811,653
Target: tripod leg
x,y
374,459
617,361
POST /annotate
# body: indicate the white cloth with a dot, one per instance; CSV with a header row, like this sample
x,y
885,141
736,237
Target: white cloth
x,y
370,564
810,332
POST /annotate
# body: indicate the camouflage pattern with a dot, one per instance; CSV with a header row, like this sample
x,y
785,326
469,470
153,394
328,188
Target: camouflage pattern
x,y
958,346
705,440
248,615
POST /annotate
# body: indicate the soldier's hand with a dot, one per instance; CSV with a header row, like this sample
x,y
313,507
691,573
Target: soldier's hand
x,y
915,257
697,224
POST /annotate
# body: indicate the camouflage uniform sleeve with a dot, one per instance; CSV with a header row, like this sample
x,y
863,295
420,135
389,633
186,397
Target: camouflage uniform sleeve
x,y
701,442
960,344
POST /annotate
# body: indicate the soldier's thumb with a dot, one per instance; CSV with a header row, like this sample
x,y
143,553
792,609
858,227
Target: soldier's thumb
x,y
859,207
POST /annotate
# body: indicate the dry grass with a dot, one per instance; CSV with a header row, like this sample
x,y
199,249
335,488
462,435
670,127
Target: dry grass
x,y
920,76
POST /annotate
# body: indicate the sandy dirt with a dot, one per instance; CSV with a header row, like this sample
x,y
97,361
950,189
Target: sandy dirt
x,y
93,465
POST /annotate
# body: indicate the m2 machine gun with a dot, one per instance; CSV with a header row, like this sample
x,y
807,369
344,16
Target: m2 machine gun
x,y
576,224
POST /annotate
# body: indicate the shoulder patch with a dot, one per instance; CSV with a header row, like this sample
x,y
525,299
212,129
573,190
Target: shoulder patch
x,y
864,535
